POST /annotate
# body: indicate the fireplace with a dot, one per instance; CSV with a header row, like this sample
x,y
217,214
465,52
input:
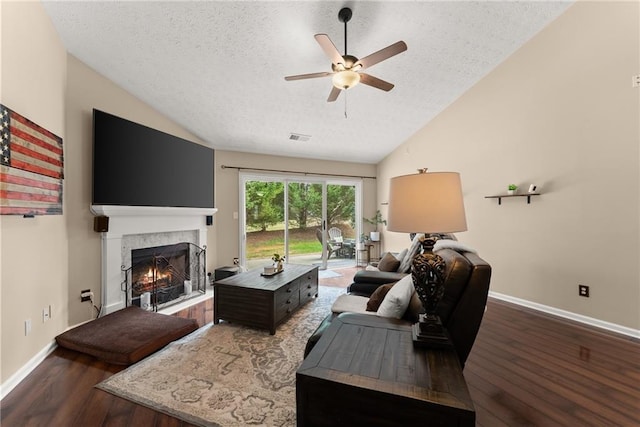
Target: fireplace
x,y
160,276
131,228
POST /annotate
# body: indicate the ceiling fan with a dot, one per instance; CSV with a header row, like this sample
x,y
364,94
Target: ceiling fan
x,y
347,69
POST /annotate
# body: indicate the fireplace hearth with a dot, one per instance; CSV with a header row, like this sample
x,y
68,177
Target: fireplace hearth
x,y
160,276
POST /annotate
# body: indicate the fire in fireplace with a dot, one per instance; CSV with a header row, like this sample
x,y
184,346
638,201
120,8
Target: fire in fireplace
x,y
163,274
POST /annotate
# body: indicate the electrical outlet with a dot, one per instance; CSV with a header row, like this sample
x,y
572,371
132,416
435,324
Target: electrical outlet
x,y
45,314
583,291
27,327
85,295
635,81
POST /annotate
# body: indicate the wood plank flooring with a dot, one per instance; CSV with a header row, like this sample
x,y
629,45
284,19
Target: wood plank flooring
x,y
525,369
528,368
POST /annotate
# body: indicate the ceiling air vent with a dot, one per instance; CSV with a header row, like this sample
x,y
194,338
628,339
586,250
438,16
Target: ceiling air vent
x,y
299,137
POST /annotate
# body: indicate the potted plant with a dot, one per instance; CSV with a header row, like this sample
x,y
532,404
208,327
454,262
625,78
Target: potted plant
x,y
377,219
277,262
512,189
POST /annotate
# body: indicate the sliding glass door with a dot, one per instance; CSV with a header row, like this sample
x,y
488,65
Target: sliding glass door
x,y
263,229
310,221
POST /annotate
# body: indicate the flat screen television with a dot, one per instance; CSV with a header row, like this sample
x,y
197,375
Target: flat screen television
x,y
134,165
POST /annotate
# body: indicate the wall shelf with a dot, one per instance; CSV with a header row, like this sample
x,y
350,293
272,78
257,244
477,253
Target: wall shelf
x,y
501,196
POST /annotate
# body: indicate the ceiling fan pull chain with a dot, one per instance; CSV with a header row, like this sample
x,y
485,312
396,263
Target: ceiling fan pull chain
x,y
345,105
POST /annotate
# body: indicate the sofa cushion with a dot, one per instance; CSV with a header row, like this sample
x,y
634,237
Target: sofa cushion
x,y
377,297
388,263
397,300
456,277
405,265
347,303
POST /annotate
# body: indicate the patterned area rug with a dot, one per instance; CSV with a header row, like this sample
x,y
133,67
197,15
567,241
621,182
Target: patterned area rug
x,y
227,375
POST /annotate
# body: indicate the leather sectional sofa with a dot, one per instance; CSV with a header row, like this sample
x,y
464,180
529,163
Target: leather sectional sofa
x,y
461,309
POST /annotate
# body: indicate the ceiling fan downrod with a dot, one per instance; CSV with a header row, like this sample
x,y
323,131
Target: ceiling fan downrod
x,y
345,15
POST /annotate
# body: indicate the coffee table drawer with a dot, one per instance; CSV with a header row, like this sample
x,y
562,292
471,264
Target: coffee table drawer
x,y
308,292
287,306
285,292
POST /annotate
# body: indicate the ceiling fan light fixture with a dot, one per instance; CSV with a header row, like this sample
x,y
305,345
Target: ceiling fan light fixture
x,y
345,79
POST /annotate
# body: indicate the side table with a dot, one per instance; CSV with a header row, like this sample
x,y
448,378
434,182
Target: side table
x,y
365,371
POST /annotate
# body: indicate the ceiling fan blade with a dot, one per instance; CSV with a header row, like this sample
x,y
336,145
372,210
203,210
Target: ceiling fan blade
x,y
382,54
333,95
369,80
329,49
308,76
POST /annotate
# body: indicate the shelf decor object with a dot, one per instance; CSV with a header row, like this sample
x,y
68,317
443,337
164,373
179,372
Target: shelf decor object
x,y
427,203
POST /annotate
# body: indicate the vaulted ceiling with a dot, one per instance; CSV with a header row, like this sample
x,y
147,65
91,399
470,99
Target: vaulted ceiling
x,y
217,68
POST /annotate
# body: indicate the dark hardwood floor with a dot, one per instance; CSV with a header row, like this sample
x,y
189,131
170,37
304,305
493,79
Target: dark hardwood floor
x,y
526,369
531,369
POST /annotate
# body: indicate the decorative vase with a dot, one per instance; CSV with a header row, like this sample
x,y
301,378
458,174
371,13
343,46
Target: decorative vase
x,y
375,236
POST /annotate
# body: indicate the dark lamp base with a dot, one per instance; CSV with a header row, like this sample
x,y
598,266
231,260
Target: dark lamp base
x,y
429,333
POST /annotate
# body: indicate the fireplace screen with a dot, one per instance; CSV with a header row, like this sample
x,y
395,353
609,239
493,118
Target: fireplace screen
x,y
164,275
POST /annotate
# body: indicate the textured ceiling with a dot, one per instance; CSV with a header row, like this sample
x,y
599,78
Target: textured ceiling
x,y
218,68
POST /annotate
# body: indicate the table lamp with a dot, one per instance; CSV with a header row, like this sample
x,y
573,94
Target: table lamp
x,y
427,202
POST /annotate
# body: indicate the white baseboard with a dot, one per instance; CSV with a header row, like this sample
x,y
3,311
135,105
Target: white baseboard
x,y
22,373
635,333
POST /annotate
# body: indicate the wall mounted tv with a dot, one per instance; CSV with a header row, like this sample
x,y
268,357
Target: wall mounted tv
x,y
134,165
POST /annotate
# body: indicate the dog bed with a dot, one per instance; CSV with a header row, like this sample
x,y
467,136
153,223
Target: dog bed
x,y
126,336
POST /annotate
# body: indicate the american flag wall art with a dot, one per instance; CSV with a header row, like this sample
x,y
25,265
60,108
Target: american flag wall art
x,y
31,167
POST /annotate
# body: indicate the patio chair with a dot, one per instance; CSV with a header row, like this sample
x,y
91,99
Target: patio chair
x,y
332,248
335,234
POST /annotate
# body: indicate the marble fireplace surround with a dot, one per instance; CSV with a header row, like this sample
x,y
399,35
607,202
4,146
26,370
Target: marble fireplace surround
x,y
135,227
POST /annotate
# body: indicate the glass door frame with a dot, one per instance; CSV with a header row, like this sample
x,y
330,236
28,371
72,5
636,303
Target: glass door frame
x,y
244,177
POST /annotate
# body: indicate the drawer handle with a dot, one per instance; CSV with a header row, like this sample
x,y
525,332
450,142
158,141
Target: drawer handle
x,y
289,301
309,294
309,286
289,290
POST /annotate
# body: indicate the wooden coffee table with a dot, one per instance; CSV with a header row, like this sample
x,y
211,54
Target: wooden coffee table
x,y
365,371
264,301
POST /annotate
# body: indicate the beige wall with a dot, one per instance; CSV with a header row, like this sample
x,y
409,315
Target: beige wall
x,y
560,113
34,251
87,90
49,259
227,191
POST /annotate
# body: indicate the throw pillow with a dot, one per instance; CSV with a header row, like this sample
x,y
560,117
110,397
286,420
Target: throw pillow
x,y
402,255
388,263
396,301
452,244
405,265
377,296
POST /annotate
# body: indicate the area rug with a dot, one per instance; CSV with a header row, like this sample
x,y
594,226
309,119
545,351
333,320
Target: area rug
x,y
326,274
226,374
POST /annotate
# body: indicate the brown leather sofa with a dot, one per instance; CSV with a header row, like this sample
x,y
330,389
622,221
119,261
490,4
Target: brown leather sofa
x,y
462,307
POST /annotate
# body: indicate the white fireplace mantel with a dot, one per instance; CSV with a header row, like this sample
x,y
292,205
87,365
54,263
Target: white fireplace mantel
x,y
134,220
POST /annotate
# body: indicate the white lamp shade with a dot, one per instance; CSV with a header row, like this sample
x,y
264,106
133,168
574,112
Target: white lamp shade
x,y
428,202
